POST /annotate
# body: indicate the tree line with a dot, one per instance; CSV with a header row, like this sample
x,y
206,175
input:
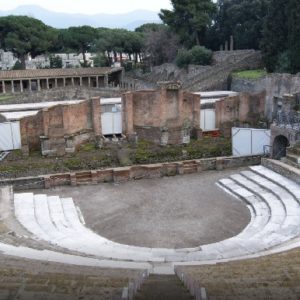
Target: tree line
x,y
189,29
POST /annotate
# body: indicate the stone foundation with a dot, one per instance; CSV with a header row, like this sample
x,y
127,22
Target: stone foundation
x,y
119,175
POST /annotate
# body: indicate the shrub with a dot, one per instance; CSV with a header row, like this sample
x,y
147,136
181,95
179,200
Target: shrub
x,y
197,56
200,55
183,58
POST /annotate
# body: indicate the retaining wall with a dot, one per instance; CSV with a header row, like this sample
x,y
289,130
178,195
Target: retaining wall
x,y
124,174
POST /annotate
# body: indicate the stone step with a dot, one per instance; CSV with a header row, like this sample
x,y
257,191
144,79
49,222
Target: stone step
x,y
294,158
163,287
293,150
276,177
279,167
288,200
58,222
276,206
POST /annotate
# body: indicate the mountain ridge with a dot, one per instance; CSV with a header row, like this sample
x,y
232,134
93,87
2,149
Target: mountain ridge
x,y
129,20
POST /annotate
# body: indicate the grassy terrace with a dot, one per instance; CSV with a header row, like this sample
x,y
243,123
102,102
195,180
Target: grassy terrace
x,y
250,74
113,155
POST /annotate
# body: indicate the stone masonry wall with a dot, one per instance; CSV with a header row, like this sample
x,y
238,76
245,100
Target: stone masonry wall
x,y
275,85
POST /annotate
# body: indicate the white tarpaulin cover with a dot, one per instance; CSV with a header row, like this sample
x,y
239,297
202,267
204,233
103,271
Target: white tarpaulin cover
x,y
111,119
10,136
208,119
249,141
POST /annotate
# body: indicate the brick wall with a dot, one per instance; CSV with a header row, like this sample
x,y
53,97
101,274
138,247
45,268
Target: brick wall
x,y
239,110
163,116
61,126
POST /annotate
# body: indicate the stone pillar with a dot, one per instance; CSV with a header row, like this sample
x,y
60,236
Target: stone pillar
x,y
106,80
29,85
80,81
97,81
47,83
3,87
45,121
127,113
72,79
64,82
21,86
12,87
196,111
231,43
39,84
89,79
226,46
163,100
55,82
96,115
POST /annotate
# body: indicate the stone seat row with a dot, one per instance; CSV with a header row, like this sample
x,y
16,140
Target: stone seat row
x,y
270,277
46,285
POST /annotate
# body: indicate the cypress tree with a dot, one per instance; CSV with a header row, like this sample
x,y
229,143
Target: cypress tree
x,y
275,33
293,11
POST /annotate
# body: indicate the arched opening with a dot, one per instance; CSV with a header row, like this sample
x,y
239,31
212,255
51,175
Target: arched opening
x,y
279,146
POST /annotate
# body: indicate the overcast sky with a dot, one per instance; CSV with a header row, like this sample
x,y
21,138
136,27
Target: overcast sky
x,y
90,6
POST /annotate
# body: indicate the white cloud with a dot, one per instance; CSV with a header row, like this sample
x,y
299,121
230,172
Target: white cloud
x,y
89,6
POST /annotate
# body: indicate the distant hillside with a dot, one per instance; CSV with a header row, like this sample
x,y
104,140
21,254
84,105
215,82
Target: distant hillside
x,y
128,21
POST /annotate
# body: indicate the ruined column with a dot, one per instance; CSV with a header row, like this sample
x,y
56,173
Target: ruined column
x,y
80,81
89,80
47,83
55,82
3,87
106,80
64,82
97,81
231,43
96,115
29,86
12,87
73,83
39,84
21,86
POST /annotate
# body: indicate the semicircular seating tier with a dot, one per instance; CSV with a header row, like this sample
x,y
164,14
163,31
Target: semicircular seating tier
x,y
272,199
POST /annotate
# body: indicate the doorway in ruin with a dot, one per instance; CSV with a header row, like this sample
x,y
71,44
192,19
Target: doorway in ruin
x,y
279,146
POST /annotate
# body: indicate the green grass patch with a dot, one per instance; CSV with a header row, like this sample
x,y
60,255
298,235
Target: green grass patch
x,y
6,97
250,74
88,147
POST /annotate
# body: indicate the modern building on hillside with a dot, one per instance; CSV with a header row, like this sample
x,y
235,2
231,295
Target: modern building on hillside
x,y
44,79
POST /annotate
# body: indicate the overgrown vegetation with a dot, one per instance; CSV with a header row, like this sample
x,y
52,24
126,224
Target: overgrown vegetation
x,y
89,158
147,152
